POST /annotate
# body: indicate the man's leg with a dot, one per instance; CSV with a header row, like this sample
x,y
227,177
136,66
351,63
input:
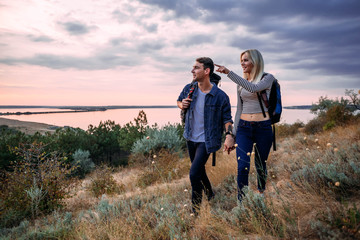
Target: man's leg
x,y
198,177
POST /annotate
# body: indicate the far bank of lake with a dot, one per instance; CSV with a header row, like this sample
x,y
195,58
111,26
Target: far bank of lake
x,y
160,116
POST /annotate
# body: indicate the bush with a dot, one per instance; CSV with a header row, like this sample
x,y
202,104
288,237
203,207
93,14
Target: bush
x,y
82,163
131,132
255,214
104,183
37,184
329,125
287,130
315,125
163,167
331,113
157,139
9,138
54,227
339,222
105,138
338,114
338,172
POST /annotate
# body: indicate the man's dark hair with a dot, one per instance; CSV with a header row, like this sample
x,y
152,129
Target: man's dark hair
x,y
207,62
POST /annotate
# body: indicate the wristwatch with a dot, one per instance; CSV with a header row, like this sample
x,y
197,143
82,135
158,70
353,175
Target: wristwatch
x,y
228,132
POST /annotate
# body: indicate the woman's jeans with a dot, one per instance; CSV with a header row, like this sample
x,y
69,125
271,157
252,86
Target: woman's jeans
x,y
198,178
258,135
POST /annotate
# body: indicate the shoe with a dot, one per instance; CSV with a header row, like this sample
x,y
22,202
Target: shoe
x,y
210,196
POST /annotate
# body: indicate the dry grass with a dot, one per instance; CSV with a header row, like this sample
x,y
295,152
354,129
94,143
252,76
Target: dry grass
x,y
288,209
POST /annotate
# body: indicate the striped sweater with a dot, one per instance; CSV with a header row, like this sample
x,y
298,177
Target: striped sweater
x,y
247,101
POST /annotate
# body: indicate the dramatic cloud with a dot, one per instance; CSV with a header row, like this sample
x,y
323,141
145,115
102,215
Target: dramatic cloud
x,y
76,28
310,45
41,38
98,62
196,39
318,30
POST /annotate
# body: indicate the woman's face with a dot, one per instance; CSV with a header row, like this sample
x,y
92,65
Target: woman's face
x,y
246,63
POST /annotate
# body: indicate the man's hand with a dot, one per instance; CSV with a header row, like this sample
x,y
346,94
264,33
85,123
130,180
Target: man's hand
x,y
229,143
186,103
222,69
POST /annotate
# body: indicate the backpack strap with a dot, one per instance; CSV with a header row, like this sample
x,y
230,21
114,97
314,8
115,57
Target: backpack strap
x,y
274,138
189,95
262,107
214,159
264,97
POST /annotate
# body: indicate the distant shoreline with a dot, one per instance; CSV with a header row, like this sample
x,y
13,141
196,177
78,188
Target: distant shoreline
x,y
74,109
88,107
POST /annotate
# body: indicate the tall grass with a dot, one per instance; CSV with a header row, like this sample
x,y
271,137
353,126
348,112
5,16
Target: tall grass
x,y
312,192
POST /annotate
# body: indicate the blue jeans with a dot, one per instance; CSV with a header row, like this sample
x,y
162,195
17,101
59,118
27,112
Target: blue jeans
x,y
198,178
248,134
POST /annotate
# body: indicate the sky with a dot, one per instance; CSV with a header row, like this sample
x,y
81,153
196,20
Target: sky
x,y
141,52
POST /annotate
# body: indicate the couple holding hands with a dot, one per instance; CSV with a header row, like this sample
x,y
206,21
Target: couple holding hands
x,y
208,114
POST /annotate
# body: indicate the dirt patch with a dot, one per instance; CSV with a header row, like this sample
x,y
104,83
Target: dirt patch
x,y
27,127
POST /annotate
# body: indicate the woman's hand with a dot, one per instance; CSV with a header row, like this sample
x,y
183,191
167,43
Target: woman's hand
x,y
222,69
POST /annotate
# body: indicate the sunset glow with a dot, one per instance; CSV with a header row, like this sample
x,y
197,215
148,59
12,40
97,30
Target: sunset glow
x,y
137,52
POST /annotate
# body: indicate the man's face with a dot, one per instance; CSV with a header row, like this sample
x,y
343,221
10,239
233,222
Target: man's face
x,y
199,72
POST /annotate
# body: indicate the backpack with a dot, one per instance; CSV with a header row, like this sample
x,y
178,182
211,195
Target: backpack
x,y
273,104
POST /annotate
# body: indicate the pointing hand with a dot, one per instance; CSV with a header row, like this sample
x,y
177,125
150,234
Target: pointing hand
x,y
222,69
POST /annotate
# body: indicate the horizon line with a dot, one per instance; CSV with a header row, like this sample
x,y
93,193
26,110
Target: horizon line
x,y
110,106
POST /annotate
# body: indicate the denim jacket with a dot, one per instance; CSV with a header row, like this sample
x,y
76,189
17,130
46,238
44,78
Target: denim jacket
x,y
217,112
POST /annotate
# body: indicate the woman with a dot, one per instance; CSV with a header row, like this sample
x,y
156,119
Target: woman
x,y
253,130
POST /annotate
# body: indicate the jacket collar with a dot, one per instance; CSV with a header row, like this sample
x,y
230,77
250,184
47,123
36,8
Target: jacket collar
x,y
213,90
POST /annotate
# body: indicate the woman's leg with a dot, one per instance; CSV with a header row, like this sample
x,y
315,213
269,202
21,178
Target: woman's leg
x,y
263,137
245,144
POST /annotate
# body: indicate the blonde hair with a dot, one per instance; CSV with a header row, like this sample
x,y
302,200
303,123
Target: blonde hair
x,y
257,60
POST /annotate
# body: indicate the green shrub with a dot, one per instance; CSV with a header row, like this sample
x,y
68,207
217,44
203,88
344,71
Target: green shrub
x,y
331,113
105,138
54,227
338,172
82,163
49,174
329,125
157,139
9,138
255,214
36,195
131,132
339,222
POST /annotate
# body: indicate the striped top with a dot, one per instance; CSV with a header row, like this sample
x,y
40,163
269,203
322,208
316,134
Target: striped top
x,y
247,93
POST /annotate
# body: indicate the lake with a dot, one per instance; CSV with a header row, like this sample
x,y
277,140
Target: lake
x,y
161,116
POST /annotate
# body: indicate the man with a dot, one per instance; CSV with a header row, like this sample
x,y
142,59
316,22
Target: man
x,y
208,112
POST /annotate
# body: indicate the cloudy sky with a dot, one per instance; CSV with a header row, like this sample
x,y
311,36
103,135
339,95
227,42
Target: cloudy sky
x,y
140,52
